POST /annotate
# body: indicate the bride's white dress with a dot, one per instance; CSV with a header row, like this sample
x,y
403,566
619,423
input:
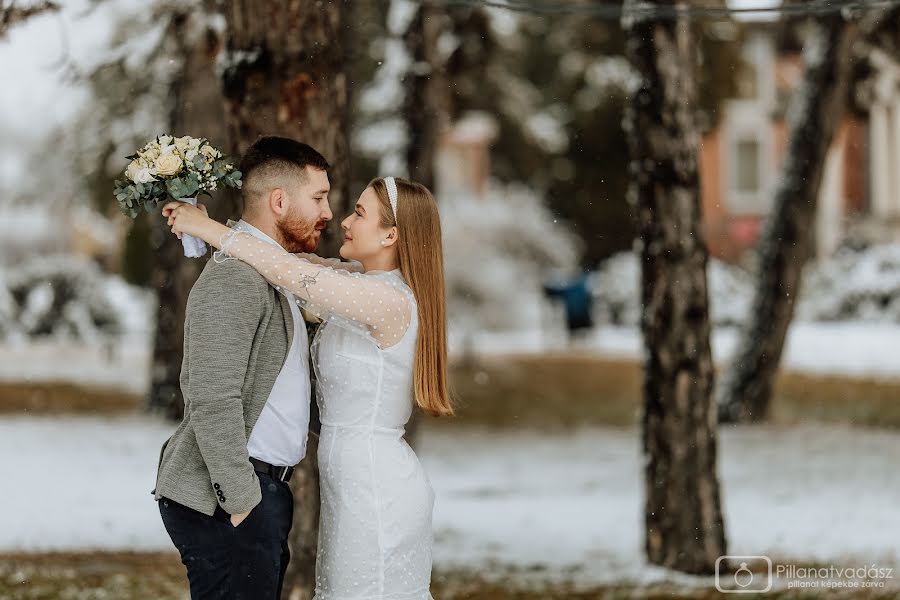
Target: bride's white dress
x,y
375,533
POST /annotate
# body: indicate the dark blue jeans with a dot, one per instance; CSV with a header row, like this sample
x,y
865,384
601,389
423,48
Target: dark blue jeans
x,y
224,562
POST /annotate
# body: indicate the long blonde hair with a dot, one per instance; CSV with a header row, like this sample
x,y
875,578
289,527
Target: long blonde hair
x,y
421,255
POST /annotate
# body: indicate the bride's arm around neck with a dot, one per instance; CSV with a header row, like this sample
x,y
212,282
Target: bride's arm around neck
x,y
335,263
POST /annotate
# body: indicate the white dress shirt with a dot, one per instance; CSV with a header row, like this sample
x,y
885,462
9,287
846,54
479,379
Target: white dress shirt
x,y
280,434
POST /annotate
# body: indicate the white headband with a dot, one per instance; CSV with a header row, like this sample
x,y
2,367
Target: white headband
x,y
392,194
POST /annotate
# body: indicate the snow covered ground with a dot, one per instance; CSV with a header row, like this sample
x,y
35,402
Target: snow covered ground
x,y
569,503
574,502
125,367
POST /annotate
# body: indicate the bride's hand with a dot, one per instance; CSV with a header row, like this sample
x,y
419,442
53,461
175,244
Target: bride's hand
x,y
184,218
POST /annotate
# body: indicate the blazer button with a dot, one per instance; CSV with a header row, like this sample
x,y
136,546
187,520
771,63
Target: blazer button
x,y
222,498
216,485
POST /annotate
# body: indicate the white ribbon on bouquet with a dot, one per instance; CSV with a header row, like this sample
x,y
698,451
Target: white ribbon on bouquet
x,y
193,247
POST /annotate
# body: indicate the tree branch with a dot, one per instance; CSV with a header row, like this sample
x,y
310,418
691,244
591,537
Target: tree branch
x,y
11,14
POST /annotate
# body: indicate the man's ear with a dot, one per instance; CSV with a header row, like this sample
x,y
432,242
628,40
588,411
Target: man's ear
x,y
278,201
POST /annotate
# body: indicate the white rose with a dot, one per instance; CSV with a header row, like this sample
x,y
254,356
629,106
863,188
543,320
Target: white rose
x,y
144,175
168,164
209,152
165,140
183,143
132,170
189,155
194,143
151,154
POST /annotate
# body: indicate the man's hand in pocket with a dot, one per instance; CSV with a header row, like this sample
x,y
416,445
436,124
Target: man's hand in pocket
x,y
238,518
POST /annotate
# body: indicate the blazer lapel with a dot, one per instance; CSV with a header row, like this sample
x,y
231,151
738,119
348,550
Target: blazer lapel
x,y
288,317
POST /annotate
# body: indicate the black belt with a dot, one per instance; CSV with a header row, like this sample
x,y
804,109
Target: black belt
x,y
280,473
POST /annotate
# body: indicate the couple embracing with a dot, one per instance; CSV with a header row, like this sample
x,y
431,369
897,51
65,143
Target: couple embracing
x,y
223,478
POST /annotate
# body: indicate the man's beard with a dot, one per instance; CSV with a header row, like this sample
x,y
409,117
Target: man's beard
x,y
299,235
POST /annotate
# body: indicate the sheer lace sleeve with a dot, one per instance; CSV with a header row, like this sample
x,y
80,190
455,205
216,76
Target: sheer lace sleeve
x,y
371,304
334,263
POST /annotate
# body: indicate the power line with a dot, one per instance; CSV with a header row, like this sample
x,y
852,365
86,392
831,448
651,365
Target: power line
x,y
606,10
649,9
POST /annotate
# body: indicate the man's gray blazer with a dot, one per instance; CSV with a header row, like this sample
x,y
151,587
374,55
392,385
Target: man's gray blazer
x,y
237,332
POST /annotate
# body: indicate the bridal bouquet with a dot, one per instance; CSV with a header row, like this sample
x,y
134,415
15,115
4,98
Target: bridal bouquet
x,y
179,168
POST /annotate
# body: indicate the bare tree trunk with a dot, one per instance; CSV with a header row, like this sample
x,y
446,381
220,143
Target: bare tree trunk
x,y
787,243
285,74
197,110
683,516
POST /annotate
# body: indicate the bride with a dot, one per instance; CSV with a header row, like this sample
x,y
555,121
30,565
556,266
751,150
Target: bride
x,y
382,349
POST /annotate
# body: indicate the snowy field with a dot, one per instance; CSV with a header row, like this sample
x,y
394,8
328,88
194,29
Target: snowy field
x,y
557,505
124,367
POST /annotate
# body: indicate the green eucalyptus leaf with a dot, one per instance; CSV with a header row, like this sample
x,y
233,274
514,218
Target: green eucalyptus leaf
x,y
175,187
233,179
192,184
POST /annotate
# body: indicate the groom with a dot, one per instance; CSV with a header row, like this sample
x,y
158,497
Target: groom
x,y
222,477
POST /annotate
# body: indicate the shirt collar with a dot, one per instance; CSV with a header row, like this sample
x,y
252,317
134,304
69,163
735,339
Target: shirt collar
x,y
246,227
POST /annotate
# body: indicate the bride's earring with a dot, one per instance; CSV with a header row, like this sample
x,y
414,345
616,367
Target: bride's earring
x,y
383,243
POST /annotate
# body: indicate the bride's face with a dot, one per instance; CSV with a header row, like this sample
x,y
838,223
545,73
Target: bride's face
x,y
363,232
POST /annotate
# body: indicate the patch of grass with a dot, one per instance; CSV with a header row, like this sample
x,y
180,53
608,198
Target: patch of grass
x,y
550,391
553,390
867,402
140,576
92,576
55,398
562,390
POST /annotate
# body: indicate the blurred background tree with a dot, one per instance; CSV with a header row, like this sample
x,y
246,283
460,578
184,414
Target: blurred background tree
x,y
284,71
682,514
818,107
197,110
